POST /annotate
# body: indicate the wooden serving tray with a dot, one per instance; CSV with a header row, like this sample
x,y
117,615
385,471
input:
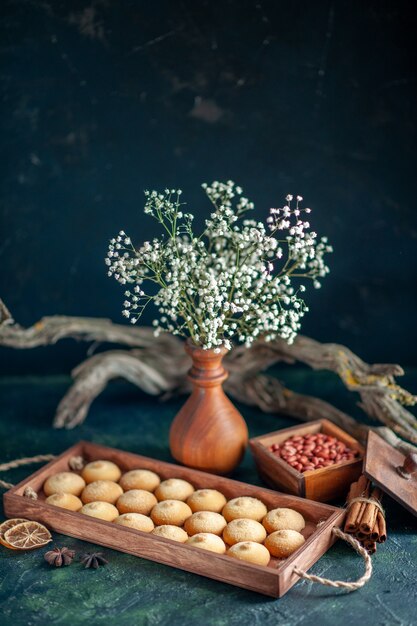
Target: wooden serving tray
x,y
273,580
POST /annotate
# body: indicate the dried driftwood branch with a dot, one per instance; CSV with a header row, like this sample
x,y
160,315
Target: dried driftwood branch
x,y
381,397
159,366
92,376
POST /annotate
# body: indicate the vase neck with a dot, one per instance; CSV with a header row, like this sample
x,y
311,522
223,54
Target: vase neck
x,y
207,369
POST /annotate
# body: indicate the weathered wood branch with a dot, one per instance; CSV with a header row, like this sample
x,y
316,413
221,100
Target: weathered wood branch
x,y
92,376
381,397
159,366
49,330
271,396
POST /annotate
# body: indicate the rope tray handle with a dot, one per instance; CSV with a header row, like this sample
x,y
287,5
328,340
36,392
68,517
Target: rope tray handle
x,y
340,584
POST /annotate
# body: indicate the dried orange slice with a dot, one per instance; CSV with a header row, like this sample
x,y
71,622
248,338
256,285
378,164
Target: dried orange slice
x,y
27,536
9,523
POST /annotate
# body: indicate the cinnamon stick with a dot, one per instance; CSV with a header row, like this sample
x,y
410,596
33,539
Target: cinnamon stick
x,y
370,513
362,505
370,546
354,514
382,528
374,535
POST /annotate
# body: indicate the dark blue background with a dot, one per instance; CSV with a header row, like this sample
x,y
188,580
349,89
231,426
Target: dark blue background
x,y
101,100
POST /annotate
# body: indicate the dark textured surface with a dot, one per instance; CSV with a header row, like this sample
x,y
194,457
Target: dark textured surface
x,y
131,591
101,100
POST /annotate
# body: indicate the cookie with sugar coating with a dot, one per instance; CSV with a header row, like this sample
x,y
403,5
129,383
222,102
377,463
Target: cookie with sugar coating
x,y
244,507
101,470
100,510
175,533
136,501
206,500
282,543
64,482
250,551
65,501
207,541
239,530
140,479
101,491
174,489
136,521
205,522
172,512
283,519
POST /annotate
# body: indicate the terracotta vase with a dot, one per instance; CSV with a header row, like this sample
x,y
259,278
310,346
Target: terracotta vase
x,y
208,433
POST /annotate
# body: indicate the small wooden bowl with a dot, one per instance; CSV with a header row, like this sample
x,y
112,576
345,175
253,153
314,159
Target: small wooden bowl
x,y
321,485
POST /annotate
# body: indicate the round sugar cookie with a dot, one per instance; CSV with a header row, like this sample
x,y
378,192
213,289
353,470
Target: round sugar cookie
x,y
64,482
136,501
101,491
136,521
283,519
101,470
206,500
250,551
100,510
244,507
175,533
65,501
205,522
139,479
207,541
239,530
174,489
282,543
172,512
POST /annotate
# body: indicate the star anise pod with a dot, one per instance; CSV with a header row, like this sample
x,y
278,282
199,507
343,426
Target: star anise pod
x,y
59,556
93,559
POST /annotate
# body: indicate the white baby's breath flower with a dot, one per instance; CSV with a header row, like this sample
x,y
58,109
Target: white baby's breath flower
x,y
222,284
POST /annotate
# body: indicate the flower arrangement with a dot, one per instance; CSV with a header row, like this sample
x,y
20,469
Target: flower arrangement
x,y
237,280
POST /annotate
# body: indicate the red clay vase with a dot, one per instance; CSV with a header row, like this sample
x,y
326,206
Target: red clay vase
x,y
208,433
